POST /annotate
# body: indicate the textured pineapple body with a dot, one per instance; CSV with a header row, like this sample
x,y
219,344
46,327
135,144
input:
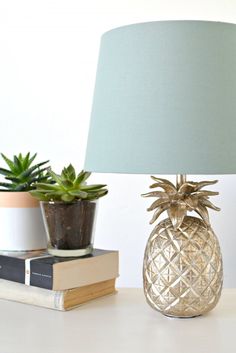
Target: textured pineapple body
x,y
182,268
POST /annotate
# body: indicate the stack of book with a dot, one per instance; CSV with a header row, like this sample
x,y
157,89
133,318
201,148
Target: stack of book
x,y
57,283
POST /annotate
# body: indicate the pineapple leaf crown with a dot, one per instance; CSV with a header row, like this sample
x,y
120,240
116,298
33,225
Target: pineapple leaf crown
x,y
22,173
68,187
177,201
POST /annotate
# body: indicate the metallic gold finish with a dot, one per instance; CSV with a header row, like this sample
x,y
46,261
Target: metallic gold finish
x,y
182,270
180,179
178,200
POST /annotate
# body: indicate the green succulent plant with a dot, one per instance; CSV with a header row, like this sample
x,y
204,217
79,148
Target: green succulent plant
x,y
68,187
22,173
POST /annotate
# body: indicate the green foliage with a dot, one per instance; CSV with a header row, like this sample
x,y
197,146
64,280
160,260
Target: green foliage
x,y
68,187
22,175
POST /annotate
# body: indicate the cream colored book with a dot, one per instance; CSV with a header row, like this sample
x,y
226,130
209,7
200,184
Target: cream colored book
x,y
58,300
40,269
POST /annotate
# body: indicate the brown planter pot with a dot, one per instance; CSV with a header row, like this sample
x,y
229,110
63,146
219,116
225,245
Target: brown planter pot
x,y
69,226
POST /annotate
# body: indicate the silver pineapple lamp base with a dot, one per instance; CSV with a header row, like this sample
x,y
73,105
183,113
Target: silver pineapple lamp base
x,y
182,268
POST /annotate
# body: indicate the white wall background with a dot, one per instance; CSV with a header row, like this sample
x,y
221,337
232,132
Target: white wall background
x,y
48,58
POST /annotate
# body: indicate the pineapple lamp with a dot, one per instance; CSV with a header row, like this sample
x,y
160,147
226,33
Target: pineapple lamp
x,y
165,103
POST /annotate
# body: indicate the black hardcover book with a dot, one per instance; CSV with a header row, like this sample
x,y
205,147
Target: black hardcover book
x,y
38,268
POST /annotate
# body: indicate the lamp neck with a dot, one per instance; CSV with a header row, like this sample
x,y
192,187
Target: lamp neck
x,y
180,179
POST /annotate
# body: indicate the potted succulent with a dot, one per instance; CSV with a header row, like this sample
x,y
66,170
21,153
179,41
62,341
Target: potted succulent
x,y
69,211
20,217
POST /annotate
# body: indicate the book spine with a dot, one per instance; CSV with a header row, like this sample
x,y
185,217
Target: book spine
x,y
41,274
48,272
31,295
12,269
28,271
57,300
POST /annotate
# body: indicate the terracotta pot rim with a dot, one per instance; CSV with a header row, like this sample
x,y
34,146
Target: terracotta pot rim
x,y
13,191
17,199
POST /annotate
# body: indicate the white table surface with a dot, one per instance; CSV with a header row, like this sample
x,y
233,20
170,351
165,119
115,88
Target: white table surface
x,y
120,323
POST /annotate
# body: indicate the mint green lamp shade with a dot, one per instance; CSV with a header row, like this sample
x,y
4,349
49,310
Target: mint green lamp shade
x,y
165,100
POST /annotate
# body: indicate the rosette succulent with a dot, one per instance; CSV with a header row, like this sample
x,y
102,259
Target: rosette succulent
x,y
68,186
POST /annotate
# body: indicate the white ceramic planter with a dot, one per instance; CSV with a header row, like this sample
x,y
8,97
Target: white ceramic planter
x,y
21,223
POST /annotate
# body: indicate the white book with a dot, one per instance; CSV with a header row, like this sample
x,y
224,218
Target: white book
x,y
58,300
